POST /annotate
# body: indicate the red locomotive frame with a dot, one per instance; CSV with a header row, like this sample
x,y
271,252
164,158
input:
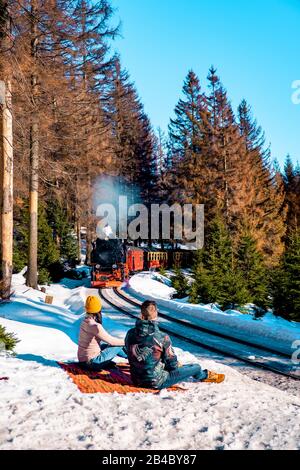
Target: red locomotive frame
x,y
137,260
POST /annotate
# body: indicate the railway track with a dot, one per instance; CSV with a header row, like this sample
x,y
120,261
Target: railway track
x,y
196,335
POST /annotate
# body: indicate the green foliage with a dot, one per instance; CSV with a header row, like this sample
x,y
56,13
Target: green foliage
x,y
62,230
48,252
68,247
286,281
250,264
217,277
201,290
180,283
162,271
47,249
8,341
56,241
56,271
233,291
21,221
44,277
19,257
231,278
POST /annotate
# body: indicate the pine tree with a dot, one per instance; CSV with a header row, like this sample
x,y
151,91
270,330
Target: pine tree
x,y
91,65
286,280
8,341
161,151
133,140
291,178
217,277
263,213
62,229
184,129
250,264
202,290
47,249
187,145
180,283
229,168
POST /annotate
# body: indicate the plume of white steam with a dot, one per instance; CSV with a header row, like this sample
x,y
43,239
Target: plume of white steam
x,y
108,191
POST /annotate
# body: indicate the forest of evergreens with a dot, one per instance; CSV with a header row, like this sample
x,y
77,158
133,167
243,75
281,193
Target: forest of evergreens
x,y
77,115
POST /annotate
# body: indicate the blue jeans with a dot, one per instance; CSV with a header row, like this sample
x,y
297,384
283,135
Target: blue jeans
x,y
107,354
185,372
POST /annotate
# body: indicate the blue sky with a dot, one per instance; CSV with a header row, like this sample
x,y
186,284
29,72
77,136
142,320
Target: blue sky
x,y
255,46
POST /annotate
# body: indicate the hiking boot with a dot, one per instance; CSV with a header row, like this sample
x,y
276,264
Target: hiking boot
x,y
213,377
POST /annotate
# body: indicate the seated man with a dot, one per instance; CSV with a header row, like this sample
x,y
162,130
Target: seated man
x,y
153,363
91,353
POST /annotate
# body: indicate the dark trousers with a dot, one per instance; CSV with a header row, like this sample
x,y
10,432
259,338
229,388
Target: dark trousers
x,y
183,373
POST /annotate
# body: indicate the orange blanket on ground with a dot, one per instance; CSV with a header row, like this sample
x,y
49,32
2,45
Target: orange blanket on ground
x,y
107,381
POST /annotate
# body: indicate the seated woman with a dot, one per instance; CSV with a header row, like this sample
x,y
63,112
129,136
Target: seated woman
x,y
91,353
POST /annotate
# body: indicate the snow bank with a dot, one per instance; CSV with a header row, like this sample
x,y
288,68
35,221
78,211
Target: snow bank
x,y
65,314
270,331
41,408
40,344
76,301
152,284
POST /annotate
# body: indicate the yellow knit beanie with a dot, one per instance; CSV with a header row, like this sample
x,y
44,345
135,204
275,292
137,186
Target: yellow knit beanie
x,y
93,305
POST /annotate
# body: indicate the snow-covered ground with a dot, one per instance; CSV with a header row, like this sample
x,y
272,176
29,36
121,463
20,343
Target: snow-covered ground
x,y
269,331
41,408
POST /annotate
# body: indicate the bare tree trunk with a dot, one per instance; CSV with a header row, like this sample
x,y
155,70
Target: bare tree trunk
x,y
32,274
6,157
89,235
32,280
78,218
78,230
89,240
226,189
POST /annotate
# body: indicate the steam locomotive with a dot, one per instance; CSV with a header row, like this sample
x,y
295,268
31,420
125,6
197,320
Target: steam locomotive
x,y
114,261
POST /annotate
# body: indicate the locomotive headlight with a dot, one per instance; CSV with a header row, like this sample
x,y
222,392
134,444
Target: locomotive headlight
x,y
115,266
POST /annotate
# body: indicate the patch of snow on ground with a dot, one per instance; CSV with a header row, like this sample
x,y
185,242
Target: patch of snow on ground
x,y
153,284
270,331
41,408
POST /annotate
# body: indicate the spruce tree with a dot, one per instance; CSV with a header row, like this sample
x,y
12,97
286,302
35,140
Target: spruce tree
x,y
291,178
180,283
47,249
216,274
250,264
286,280
184,129
201,290
188,139
226,154
8,341
263,213
132,137
63,232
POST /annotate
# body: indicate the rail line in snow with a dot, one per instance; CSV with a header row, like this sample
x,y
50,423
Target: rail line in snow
x,y
213,341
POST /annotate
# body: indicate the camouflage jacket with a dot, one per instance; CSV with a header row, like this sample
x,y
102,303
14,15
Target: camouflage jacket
x,y
150,354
